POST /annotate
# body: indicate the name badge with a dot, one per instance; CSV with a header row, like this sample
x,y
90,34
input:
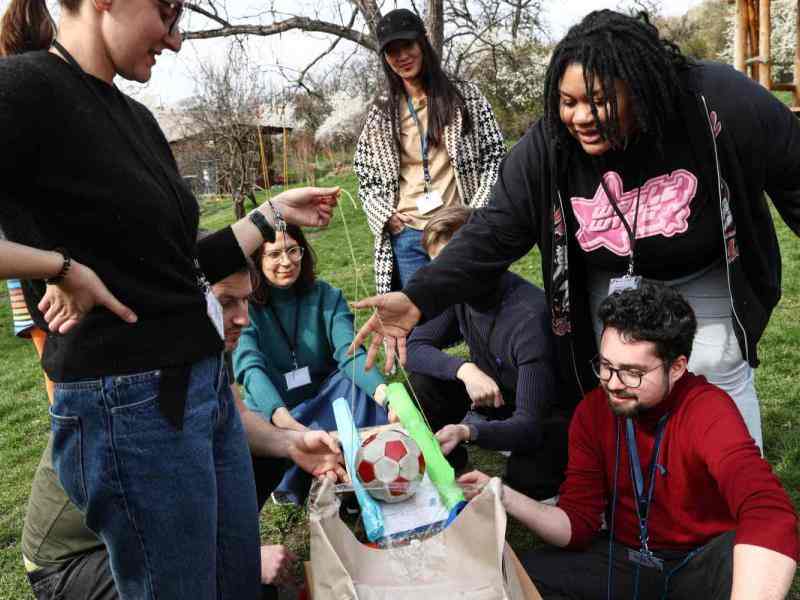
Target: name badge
x,y
297,378
626,282
214,309
429,201
645,559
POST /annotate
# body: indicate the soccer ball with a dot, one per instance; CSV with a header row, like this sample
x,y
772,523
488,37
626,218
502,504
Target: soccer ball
x,y
390,465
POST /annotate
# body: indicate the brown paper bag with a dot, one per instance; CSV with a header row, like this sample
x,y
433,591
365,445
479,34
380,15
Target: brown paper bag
x,y
469,560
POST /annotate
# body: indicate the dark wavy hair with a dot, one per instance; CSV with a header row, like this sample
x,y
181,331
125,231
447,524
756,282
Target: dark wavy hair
x,y
444,98
305,281
653,313
613,46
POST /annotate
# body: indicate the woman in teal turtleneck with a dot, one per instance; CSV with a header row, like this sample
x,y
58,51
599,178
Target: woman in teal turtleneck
x,y
292,358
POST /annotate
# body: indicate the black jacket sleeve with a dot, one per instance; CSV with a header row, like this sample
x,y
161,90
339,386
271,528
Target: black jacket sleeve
x,y
781,135
220,255
494,237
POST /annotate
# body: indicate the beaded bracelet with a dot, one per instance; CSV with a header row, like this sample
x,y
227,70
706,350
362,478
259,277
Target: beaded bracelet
x,y
65,265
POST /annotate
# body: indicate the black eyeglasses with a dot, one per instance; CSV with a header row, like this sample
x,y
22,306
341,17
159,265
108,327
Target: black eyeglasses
x,y
174,12
631,378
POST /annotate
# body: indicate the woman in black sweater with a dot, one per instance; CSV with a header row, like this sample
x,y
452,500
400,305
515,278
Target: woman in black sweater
x,y
147,440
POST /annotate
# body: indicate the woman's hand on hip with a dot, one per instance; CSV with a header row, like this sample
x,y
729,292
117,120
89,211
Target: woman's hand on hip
x,y
66,303
397,222
306,207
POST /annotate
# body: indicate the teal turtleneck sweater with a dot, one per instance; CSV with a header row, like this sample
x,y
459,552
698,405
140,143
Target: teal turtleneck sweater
x,y
324,332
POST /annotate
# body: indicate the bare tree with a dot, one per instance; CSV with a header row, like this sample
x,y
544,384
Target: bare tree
x,y
459,30
221,122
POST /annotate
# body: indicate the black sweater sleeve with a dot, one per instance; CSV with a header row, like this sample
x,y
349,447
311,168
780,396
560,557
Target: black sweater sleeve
x,y
522,430
494,237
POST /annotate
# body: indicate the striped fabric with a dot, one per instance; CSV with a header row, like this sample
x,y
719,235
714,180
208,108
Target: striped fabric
x,y
22,319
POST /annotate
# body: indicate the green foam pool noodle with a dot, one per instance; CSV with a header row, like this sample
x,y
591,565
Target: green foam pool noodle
x,y
439,470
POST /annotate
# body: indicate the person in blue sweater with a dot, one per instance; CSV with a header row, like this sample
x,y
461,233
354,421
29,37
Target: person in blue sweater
x,y
292,358
500,398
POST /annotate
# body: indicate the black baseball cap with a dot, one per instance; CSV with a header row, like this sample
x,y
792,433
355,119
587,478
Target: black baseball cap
x,y
399,24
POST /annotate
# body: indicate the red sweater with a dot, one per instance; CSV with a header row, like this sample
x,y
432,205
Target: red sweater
x,y
715,481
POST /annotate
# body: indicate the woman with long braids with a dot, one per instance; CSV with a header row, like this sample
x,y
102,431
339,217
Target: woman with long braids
x,y
646,165
428,142
147,441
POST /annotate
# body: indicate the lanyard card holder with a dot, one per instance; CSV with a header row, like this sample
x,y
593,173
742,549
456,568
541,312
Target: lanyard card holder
x,y
297,378
429,202
645,558
626,282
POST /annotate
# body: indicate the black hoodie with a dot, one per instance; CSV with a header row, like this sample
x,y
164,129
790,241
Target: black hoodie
x,y
746,143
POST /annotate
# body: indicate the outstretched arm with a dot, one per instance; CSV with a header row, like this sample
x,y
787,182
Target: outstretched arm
x,y
306,207
549,523
479,253
315,452
761,573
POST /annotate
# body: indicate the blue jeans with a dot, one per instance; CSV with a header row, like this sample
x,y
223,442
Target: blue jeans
x,y
317,413
409,254
176,509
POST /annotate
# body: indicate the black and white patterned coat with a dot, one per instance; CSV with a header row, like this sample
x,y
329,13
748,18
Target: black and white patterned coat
x,y
475,159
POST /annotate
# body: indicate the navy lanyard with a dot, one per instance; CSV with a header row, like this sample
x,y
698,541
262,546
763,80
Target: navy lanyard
x,y
292,343
423,141
642,501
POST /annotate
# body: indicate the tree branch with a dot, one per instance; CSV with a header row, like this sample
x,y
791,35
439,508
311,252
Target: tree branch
x,y
301,23
212,16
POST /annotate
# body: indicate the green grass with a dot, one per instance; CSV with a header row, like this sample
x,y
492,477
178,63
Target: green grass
x,y
23,406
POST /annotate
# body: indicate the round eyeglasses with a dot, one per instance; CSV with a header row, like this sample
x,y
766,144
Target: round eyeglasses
x,y
295,254
631,378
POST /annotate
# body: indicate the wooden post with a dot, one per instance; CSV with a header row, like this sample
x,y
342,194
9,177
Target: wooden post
x,y
764,47
285,158
797,57
740,41
752,37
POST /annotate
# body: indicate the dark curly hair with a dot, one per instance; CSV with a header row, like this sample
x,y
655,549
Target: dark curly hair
x,y
653,313
613,46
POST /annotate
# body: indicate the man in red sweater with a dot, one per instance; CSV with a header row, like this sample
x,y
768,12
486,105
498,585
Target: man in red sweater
x,y
692,508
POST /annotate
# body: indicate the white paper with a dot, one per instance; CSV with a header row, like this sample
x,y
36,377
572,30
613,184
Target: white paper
x,y
423,508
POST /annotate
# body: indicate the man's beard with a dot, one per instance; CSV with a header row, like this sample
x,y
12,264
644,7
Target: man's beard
x,y
626,410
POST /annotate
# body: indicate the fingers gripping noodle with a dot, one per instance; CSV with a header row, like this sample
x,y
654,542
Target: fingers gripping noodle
x,y
351,441
439,470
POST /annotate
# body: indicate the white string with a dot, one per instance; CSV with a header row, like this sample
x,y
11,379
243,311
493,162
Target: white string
x,y
392,349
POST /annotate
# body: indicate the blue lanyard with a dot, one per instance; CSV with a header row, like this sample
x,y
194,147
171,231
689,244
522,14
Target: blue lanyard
x,y
642,501
423,141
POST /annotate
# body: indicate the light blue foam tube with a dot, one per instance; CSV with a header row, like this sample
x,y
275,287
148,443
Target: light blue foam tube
x,y
351,441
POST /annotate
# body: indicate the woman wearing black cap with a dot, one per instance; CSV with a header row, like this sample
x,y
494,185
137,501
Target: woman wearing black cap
x,y
428,142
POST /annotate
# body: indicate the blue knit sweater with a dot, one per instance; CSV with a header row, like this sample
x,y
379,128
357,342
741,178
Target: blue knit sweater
x,y
324,332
